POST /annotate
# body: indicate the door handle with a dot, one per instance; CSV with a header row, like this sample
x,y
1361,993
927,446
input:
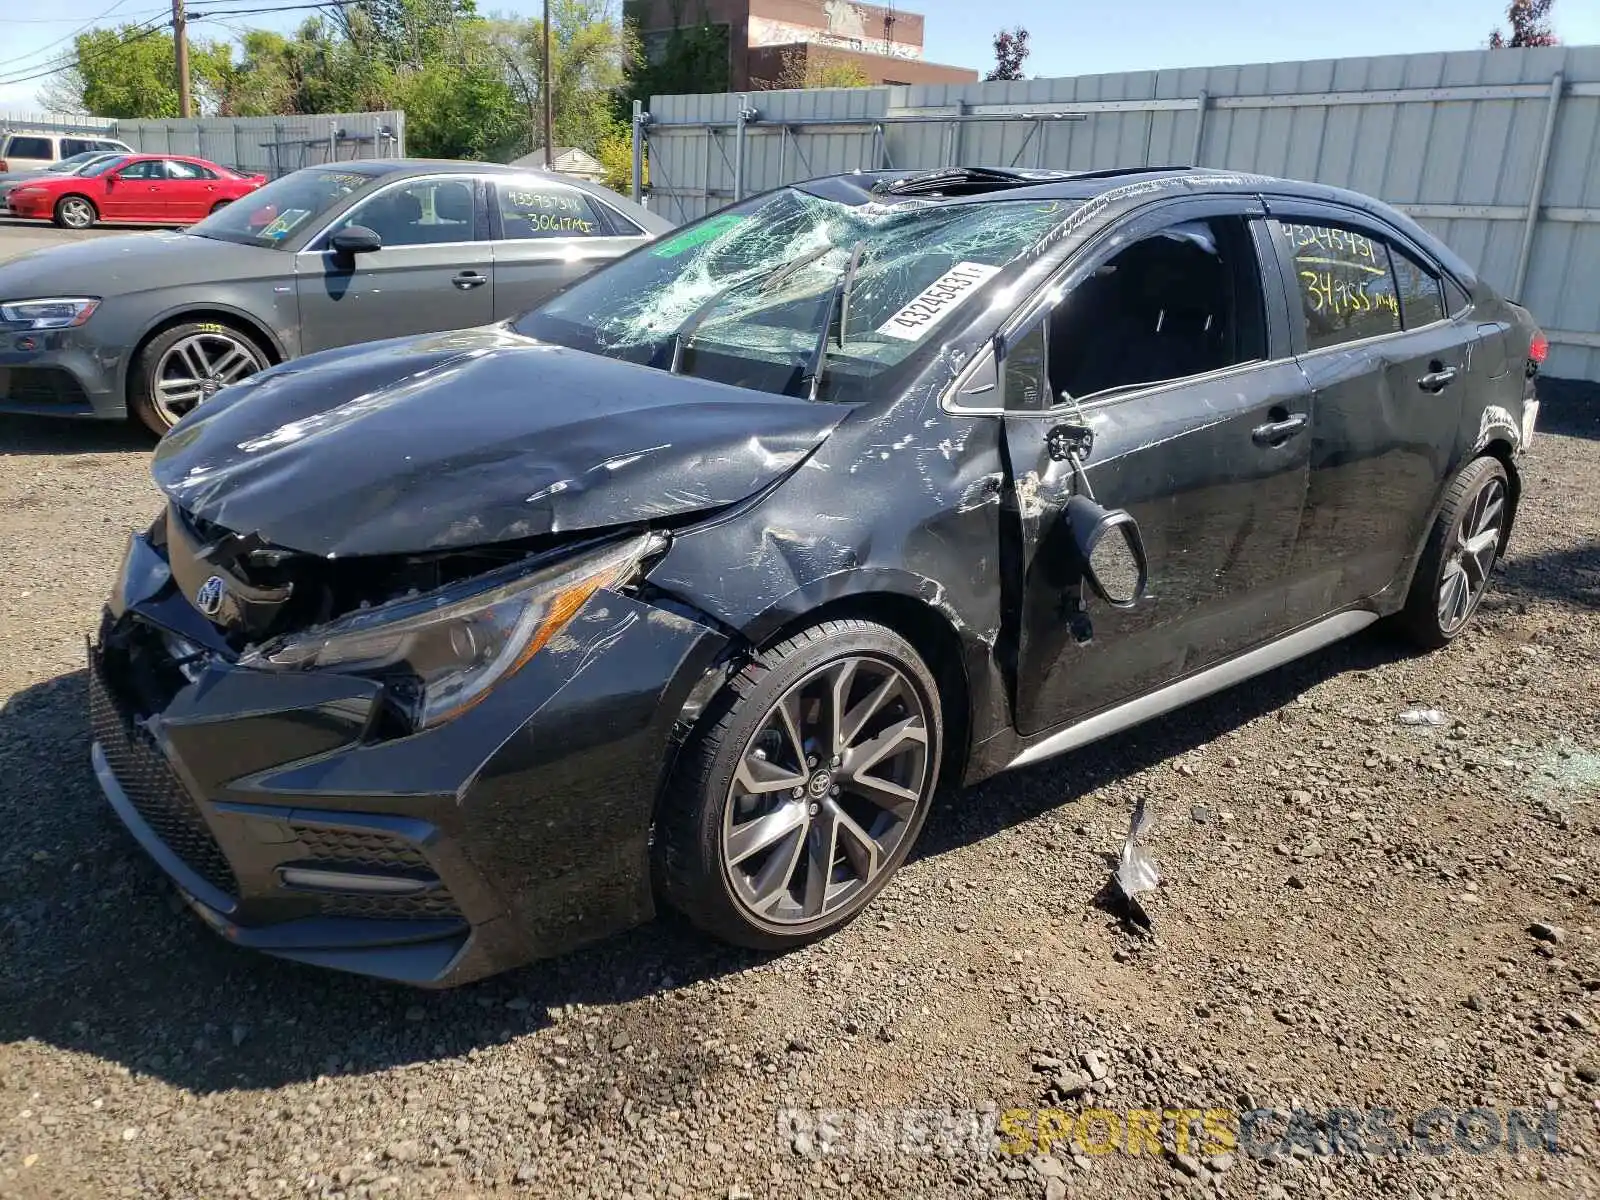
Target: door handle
x,y
467,280
1275,433
1438,378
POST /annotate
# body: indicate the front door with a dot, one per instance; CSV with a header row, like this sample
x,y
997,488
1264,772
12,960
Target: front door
x,y
434,271
1388,370
1199,419
136,193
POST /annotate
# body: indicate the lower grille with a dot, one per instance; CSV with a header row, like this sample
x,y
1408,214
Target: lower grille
x,y
150,785
41,385
373,850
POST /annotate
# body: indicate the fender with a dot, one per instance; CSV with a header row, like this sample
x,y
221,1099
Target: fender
x,y
199,310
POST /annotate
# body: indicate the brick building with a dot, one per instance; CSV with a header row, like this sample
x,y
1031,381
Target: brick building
x,y
770,40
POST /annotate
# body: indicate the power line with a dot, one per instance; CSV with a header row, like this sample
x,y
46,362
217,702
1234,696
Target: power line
x,y
65,38
79,60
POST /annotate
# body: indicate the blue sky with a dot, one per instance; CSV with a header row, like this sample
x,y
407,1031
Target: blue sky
x,y
1068,38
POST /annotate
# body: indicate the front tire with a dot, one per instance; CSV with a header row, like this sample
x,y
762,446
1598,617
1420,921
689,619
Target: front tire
x,y
804,788
1463,546
76,212
186,365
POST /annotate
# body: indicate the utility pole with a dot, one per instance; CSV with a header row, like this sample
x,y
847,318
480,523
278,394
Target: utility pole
x,y
549,86
180,43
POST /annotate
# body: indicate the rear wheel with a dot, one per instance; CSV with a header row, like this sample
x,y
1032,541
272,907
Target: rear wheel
x,y
186,365
805,788
220,205
76,212
1462,549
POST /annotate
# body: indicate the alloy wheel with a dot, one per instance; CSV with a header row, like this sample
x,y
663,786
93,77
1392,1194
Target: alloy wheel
x,y
76,213
196,368
826,790
1471,556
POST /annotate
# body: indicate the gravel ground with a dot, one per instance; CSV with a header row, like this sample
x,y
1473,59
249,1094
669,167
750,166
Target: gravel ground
x,y
1344,922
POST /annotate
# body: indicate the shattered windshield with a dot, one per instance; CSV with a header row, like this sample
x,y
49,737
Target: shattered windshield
x,y
761,294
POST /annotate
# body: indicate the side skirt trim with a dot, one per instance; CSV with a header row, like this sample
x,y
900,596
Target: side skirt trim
x,y
1194,687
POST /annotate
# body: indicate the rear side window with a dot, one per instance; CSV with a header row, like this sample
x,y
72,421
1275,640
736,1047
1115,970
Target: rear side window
x,y
538,210
1421,295
30,147
177,169
1346,287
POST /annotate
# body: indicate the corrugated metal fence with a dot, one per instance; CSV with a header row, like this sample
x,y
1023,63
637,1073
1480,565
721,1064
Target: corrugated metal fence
x,y
1498,152
272,145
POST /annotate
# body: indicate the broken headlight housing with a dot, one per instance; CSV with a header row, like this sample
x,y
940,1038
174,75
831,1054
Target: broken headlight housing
x,y
444,651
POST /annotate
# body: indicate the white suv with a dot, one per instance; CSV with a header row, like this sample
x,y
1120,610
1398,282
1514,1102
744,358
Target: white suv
x,y
29,150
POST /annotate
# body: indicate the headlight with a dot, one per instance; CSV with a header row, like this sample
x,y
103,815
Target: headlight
x,y
47,314
450,647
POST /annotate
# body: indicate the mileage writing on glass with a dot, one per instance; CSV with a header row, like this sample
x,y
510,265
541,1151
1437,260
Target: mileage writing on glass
x,y
1336,267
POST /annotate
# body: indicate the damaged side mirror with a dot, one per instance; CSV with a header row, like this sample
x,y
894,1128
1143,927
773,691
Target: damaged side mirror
x,y
1111,550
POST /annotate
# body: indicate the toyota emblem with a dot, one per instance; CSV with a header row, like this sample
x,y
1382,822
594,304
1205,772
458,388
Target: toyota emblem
x,y
208,599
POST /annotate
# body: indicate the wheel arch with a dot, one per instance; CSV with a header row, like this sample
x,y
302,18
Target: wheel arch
x,y
236,319
1502,449
905,603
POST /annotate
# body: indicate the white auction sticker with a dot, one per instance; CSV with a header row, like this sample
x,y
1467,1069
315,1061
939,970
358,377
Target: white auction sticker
x,y
938,300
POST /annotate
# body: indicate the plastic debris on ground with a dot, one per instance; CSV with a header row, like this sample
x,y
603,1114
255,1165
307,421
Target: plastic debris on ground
x,y
1423,716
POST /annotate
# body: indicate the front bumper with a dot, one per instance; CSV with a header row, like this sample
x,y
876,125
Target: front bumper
x,y
297,821
59,373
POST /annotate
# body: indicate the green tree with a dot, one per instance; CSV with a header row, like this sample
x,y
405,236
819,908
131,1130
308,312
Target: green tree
x,y
1530,25
589,53
693,57
131,72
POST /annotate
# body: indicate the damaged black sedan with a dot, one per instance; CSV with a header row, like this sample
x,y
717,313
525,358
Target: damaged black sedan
x,y
690,585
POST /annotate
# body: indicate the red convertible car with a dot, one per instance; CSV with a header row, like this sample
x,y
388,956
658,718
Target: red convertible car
x,y
152,189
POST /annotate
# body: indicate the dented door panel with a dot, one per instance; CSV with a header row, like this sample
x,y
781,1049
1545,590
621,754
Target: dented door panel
x,y
1218,513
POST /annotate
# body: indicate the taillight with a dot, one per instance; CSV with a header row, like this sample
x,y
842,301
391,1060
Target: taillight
x,y
4,166
1539,348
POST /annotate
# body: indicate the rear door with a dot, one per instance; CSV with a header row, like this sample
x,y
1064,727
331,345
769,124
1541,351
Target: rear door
x,y
1388,370
546,235
190,190
1171,347
434,272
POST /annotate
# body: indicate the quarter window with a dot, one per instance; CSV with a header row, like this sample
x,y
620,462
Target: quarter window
x,y
537,210
30,147
1347,290
1421,300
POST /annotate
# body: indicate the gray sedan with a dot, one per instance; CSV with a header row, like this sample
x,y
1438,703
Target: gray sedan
x,y
154,324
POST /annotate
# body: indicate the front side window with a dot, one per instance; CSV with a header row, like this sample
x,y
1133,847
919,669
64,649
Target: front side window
x,y
150,168
532,209
421,212
1347,291
30,147
1421,295
1184,301
74,146
793,293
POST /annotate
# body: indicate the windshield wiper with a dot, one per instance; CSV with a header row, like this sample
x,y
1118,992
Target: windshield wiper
x,y
838,299
680,338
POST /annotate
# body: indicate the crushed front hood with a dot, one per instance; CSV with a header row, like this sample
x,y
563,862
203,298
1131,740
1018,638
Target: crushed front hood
x,y
472,437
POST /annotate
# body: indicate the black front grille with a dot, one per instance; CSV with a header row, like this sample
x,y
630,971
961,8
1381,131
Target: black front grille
x,y
376,851
151,786
41,385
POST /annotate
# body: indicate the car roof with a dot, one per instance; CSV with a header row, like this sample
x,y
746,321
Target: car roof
x,y
406,168
1121,188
